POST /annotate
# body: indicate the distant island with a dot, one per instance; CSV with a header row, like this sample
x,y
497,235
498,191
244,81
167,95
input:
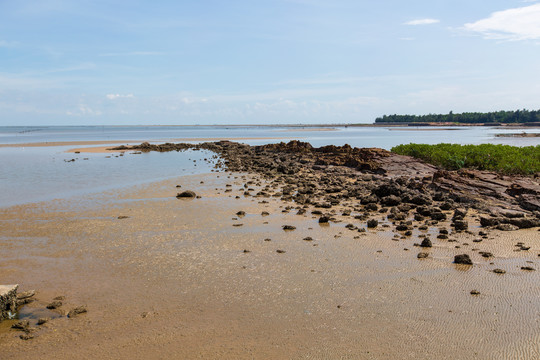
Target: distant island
x,y
529,117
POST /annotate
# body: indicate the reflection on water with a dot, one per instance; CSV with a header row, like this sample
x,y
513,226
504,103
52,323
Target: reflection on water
x,y
46,173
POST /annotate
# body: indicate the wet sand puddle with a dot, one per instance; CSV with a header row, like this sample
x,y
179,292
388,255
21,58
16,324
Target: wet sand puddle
x,y
166,277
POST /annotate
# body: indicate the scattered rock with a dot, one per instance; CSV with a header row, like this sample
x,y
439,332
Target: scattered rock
x,y
422,255
463,259
280,251
77,311
372,223
288,227
54,305
475,292
499,271
426,243
186,194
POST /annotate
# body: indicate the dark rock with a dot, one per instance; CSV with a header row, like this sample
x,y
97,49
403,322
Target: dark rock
x,y
499,271
186,194
507,227
289,227
460,225
54,305
422,255
391,200
324,220
528,268
76,311
426,243
372,223
475,292
280,251
463,259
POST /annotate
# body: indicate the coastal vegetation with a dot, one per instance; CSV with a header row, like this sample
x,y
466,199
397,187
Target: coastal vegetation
x,y
498,117
504,159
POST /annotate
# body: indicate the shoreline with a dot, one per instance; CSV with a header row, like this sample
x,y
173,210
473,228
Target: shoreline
x,y
162,278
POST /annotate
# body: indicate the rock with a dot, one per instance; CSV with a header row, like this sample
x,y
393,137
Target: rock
x,y
528,268
21,325
123,217
308,238
289,227
76,311
26,336
186,194
54,305
265,213
486,221
280,251
475,292
499,271
507,227
241,213
460,225
463,259
426,243
391,200
422,255
372,223
26,294
324,220
8,301
42,321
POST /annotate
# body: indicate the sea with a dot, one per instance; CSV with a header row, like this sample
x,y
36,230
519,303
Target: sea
x,y
30,174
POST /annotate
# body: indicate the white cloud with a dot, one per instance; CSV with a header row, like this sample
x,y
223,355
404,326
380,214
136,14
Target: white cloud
x,y
7,44
118,96
422,22
513,24
134,53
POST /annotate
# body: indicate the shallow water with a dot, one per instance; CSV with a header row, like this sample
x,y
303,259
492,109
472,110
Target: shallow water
x,y
30,174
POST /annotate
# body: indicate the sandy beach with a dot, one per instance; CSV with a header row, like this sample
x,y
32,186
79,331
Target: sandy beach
x,y
163,277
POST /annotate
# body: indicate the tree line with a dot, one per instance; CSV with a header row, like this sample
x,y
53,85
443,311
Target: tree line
x,y
501,117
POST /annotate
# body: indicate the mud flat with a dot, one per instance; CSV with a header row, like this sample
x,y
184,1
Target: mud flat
x,y
279,262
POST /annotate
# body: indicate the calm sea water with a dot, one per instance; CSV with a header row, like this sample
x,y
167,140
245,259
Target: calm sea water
x,y
31,174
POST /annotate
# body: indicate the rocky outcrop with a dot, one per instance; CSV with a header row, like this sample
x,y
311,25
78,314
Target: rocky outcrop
x,y
8,301
377,179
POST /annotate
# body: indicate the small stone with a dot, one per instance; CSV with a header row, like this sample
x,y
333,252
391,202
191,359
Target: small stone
x,y
528,268
426,243
123,217
246,251
372,223
26,336
475,292
308,238
76,311
324,220
42,321
499,271
21,325
186,194
280,251
288,227
463,259
422,255
54,305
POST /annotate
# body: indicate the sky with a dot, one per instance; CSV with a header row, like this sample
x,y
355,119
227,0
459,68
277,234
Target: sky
x,y
67,62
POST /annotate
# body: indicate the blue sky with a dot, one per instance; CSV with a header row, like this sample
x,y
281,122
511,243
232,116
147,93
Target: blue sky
x,y
260,62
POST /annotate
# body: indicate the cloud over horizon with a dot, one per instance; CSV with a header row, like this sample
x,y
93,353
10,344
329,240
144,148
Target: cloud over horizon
x,y
512,24
422,22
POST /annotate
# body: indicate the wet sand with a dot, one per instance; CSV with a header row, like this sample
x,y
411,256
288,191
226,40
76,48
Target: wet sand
x,y
172,280
115,142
